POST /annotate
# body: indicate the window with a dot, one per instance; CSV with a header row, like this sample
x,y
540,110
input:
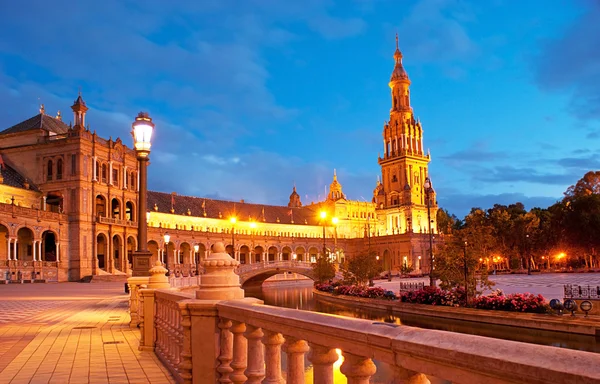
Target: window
x,y
104,173
50,166
97,173
115,177
59,166
394,179
73,165
133,183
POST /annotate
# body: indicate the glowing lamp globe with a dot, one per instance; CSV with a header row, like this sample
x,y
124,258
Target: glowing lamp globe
x,y
142,133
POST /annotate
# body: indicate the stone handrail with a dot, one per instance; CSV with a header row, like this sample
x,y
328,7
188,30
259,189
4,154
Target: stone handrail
x,y
115,221
411,352
184,281
243,268
32,212
169,330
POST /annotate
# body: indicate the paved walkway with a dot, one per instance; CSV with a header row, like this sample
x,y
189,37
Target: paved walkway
x,y
71,333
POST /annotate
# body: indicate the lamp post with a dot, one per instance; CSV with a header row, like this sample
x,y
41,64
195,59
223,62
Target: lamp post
x,y
323,217
466,275
167,238
142,129
428,190
335,222
197,258
233,220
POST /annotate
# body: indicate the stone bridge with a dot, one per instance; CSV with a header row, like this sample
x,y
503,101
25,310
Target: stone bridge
x,y
256,273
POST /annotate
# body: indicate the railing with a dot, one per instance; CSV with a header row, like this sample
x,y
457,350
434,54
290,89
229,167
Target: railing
x,y
581,292
184,281
411,286
31,212
115,221
244,268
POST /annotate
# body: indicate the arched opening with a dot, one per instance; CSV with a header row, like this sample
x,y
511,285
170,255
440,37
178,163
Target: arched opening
x,y
169,257
50,170
131,247
244,252
129,211
25,244
115,209
313,253
153,248
201,254
272,254
185,254
229,250
104,172
286,253
300,254
3,242
54,202
49,246
258,251
133,184
117,252
59,169
100,206
101,248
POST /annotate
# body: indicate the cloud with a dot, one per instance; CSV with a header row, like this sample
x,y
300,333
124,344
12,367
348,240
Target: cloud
x,y
505,174
336,28
570,62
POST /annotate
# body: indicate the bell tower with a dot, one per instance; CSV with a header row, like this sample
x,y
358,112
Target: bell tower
x,y
401,196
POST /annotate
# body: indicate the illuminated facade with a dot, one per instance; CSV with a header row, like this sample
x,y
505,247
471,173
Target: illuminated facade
x,y
68,206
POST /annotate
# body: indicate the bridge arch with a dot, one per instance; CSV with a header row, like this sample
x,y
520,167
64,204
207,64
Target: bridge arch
x,y
255,274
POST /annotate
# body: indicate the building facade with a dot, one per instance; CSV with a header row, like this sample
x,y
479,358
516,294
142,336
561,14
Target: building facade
x,y
68,206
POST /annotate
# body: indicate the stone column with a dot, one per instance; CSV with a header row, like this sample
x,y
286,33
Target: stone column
x,y
256,364
57,252
357,369
34,246
15,254
40,254
272,342
8,244
240,353
295,350
226,356
322,359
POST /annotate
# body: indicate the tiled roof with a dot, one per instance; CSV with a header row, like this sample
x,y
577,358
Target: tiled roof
x,y
40,121
242,211
13,178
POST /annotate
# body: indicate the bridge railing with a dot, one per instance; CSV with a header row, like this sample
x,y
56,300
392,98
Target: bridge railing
x,y
244,268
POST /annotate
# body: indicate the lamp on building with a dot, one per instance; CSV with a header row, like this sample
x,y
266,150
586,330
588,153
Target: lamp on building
x,y
142,129
428,192
233,220
167,238
197,258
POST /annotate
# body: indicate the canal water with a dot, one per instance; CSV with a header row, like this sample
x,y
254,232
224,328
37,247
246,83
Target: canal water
x,y
301,297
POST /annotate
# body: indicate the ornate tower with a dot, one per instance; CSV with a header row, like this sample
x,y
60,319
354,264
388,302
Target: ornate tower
x,y
335,189
400,197
295,201
79,109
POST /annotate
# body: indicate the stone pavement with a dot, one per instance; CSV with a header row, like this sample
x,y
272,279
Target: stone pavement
x,y
71,333
549,285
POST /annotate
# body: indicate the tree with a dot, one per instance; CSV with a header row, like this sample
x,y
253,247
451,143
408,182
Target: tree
x,y
589,184
323,269
446,222
364,267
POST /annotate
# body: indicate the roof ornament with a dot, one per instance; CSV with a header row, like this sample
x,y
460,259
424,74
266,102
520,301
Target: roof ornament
x,y
58,116
42,109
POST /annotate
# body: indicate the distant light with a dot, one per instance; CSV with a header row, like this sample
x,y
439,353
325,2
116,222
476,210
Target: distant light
x,y
335,220
323,214
167,237
233,220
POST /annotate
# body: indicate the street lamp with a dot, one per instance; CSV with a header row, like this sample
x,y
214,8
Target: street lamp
x,y
466,275
428,191
233,220
323,217
142,129
335,222
167,238
197,258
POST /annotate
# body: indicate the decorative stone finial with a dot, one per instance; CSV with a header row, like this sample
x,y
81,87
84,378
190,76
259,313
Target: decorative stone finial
x,y
158,278
220,282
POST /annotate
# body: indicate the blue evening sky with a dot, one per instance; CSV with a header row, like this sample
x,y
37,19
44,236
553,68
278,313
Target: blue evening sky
x,y
251,96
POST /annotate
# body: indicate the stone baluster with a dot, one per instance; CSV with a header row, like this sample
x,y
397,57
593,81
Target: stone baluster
x,y
272,342
226,355
240,353
322,359
357,369
406,376
295,350
256,362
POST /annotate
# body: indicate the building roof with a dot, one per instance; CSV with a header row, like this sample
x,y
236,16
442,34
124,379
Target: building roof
x,y
39,121
12,178
221,209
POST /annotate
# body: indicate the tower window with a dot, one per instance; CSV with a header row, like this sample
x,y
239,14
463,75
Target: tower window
x,y
394,179
104,173
73,165
49,174
59,166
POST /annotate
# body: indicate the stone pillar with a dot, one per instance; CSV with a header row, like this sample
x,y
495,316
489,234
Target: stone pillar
x,y
295,350
357,369
226,356
8,244
322,359
40,254
15,254
240,353
57,252
256,363
157,280
34,246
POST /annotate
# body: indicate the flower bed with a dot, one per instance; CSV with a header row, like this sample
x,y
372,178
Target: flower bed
x,y
357,291
516,302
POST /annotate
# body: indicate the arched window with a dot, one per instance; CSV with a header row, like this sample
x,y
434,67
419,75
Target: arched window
x,y
50,166
104,173
97,175
59,167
